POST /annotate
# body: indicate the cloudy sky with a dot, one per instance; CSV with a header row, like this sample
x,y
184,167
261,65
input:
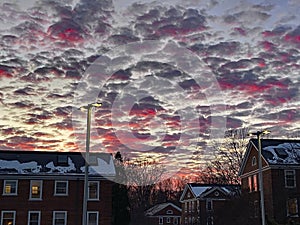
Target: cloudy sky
x,y
171,76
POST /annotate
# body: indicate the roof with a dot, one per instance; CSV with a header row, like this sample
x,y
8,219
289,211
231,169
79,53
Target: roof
x,y
155,209
279,151
55,163
201,190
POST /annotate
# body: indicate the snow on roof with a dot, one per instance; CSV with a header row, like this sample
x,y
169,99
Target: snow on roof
x,y
51,163
200,190
153,210
103,167
284,153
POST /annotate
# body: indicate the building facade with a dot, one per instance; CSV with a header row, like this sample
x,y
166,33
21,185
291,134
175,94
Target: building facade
x,y
163,214
281,180
200,202
46,188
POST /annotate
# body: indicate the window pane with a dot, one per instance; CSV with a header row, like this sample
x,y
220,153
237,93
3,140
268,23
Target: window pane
x,y
59,218
61,187
93,190
292,206
10,187
36,189
8,218
34,218
92,218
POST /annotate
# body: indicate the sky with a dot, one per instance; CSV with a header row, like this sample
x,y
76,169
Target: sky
x,y
172,76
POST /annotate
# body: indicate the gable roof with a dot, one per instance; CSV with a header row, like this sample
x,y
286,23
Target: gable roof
x,y
155,209
202,190
54,163
275,152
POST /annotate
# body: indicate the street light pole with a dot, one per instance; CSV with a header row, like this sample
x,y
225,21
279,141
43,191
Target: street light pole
x,y
89,108
260,175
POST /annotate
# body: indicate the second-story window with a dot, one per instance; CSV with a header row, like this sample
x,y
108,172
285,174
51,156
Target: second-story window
x,y
10,187
61,188
93,190
36,189
290,178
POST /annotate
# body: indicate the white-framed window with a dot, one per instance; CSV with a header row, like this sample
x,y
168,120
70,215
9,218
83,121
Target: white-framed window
x,y
290,178
292,207
169,212
93,190
92,218
10,187
160,220
185,206
168,220
209,204
8,217
61,188
34,218
36,189
59,218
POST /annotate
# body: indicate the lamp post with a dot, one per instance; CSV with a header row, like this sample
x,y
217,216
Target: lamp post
x,y
260,177
89,108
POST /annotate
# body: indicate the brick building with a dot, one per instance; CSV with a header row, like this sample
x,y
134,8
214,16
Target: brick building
x,y
281,179
200,202
163,214
46,188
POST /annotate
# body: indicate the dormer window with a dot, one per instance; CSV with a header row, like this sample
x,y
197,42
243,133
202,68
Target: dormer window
x,y
62,160
253,161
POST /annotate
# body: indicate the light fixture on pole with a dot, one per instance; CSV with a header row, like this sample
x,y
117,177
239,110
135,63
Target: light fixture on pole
x,y
260,176
89,108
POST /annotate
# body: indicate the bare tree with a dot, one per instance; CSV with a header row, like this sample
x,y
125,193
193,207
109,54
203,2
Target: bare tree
x,y
142,176
227,158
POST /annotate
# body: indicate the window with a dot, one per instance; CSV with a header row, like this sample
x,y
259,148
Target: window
x,y
160,220
168,220
292,207
34,217
209,205
253,163
61,188
290,178
36,189
92,218
59,218
250,183
93,190
10,187
210,221
185,220
175,220
185,206
255,187
256,209
8,217
62,160
169,212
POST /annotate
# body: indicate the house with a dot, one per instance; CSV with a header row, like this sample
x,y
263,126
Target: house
x,y
281,179
46,188
200,202
163,214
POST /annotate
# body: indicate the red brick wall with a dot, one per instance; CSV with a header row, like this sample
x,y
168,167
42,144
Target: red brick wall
x,y
49,203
